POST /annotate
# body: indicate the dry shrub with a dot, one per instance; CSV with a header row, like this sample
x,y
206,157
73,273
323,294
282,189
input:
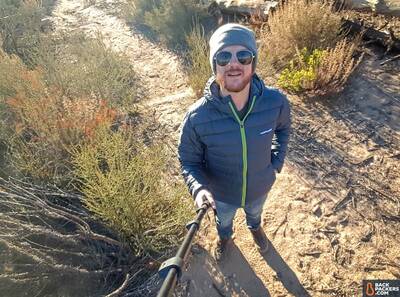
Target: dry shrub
x,y
335,69
296,24
20,23
44,137
15,77
43,124
322,72
174,19
80,84
136,9
171,20
123,185
83,67
57,120
199,70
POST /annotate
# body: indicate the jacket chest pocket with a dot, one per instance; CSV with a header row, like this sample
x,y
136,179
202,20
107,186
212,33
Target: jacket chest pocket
x,y
259,146
262,136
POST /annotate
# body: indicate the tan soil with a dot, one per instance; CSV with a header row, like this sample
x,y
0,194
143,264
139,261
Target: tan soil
x,y
347,148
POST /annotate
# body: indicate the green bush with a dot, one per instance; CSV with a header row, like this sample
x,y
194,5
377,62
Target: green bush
x,y
123,184
199,70
301,71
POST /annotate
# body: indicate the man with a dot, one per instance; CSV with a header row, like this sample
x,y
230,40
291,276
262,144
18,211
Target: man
x,y
235,137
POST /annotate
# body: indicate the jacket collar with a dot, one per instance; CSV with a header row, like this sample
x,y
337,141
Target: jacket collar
x,y
212,95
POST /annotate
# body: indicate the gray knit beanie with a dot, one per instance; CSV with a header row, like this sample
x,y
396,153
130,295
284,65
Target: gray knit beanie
x,y
232,34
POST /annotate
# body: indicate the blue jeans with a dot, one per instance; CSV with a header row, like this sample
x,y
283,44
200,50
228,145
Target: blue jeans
x,y
226,212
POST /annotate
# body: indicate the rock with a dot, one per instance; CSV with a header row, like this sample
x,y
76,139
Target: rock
x,y
383,6
317,210
46,25
248,7
241,7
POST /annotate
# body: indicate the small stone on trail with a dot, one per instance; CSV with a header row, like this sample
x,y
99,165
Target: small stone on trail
x,y
317,211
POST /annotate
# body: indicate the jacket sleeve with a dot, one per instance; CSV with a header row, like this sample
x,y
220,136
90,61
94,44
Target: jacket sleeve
x,y
191,158
281,137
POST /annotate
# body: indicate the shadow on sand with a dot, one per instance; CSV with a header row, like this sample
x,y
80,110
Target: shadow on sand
x,y
284,273
236,269
248,283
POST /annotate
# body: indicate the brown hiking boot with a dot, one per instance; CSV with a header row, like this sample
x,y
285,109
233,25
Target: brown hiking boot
x,y
220,248
260,239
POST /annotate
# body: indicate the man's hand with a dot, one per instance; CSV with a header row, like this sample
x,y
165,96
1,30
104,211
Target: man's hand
x,y
204,196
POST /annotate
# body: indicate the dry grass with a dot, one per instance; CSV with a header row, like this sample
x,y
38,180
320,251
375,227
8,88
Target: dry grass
x,y
174,19
80,66
170,20
50,243
135,9
296,24
199,70
20,28
335,68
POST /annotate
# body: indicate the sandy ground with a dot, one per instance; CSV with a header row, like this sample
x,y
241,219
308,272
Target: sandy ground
x,y
333,215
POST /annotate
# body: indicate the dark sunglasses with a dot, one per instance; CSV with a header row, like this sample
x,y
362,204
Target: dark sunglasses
x,y
244,57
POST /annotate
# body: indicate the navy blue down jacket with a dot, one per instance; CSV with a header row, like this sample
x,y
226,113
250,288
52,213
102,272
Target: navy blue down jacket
x,y
234,159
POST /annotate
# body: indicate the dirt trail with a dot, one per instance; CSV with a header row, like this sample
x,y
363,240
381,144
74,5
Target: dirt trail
x,y
332,217
159,69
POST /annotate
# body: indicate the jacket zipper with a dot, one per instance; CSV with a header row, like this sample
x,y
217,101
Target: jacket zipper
x,y
244,147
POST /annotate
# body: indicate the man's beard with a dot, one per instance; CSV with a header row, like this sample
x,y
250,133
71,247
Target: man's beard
x,y
234,87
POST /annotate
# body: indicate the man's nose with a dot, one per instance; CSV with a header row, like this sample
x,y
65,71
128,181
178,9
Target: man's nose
x,y
233,60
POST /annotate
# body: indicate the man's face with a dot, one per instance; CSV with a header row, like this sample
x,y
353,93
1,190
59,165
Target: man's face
x,y
234,76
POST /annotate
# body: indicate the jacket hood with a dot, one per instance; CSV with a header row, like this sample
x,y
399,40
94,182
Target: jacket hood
x,y
211,92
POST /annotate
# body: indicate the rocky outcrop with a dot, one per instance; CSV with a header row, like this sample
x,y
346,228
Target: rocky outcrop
x,y
241,7
387,7
262,7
